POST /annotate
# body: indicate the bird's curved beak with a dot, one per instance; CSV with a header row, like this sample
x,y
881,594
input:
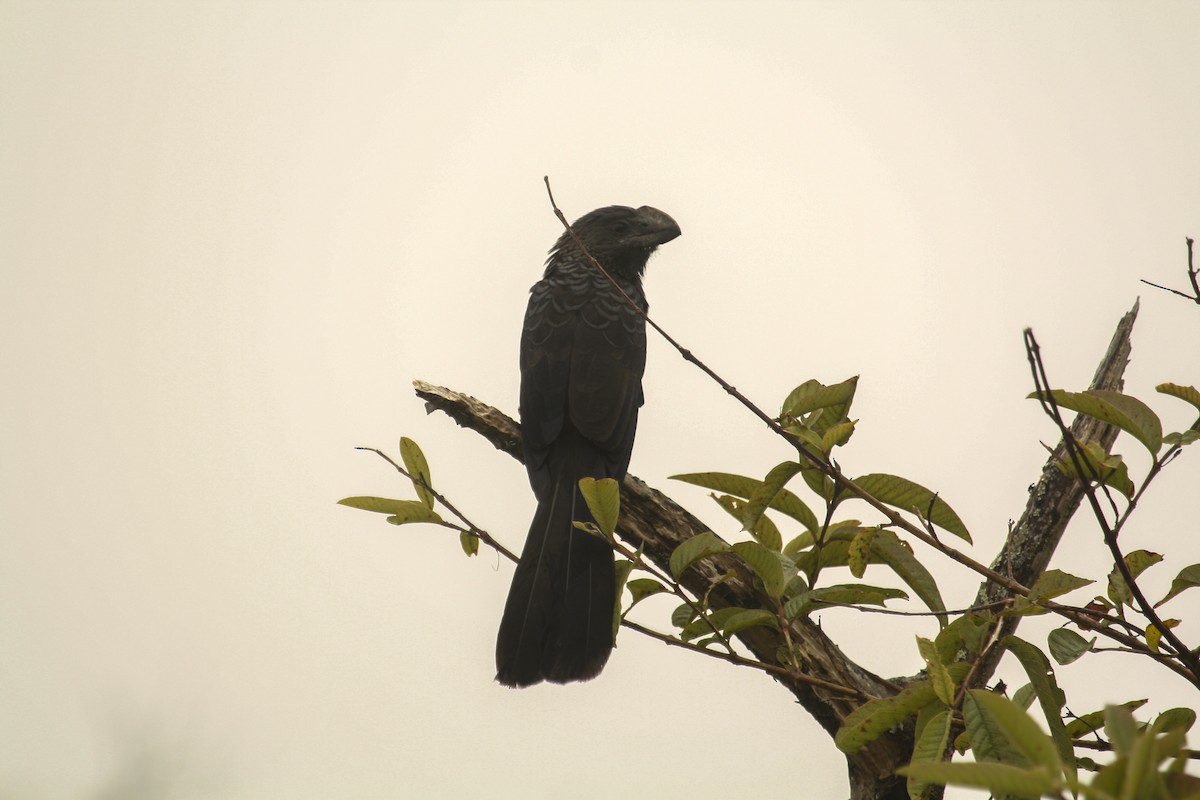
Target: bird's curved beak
x,y
655,227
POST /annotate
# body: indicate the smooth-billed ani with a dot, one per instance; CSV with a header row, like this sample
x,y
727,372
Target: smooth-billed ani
x,y
583,351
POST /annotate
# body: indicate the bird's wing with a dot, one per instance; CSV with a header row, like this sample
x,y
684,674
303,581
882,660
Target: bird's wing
x,y
607,363
583,352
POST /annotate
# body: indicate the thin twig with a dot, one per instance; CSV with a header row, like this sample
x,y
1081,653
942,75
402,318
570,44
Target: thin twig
x,y
471,527
1041,386
825,606
1192,278
893,517
1106,747
734,658
675,587
1193,274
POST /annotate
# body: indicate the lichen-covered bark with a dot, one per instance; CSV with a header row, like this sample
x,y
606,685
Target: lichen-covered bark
x,y
1054,499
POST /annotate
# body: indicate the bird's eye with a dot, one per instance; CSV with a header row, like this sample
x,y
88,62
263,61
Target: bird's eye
x,y
620,227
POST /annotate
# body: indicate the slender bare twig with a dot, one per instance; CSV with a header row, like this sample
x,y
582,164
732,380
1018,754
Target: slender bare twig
x,y
829,469
893,517
674,585
1106,747
470,528
793,674
825,605
734,658
1110,532
1193,278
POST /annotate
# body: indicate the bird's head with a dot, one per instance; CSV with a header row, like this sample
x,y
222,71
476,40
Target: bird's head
x,y
621,238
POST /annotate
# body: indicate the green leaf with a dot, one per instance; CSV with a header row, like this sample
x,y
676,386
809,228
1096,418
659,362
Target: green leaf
x,y
1099,465
901,560
1181,439
418,468
999,779
469,543
623,567
939,676
766,566
835,552
1138,562
767,491
1121,728
1183,718
1127,413
1025,696
1141,560
701,626
1067,646
1187,578
1188,394
837,435
806,436
603,498
1001,731
834,402
929,749
697,547
876,717
1093,722
1055,583
401,511
840,594
1050,697
682,616
733,506
1141,775
641,588
908,496
765,532
740,486
819,483
967,633
858,554
748,618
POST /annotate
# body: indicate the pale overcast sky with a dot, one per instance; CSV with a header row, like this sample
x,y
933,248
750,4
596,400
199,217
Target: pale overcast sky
x,y
232,233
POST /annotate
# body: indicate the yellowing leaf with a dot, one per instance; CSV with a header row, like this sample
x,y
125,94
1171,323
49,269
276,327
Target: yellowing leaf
x,y
401,511
603,498
1154,635
418,468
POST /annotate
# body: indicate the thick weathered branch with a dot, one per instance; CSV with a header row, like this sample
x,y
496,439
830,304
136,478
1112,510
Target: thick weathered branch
x,y
653,521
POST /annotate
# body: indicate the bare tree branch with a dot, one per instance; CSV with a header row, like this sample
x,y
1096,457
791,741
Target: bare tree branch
x,y
655,523
652,521
841,482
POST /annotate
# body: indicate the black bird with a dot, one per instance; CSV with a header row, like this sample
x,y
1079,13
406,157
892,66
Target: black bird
x,y
583,351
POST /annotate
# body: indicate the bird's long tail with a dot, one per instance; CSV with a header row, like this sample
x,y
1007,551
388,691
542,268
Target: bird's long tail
x,y
558,620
